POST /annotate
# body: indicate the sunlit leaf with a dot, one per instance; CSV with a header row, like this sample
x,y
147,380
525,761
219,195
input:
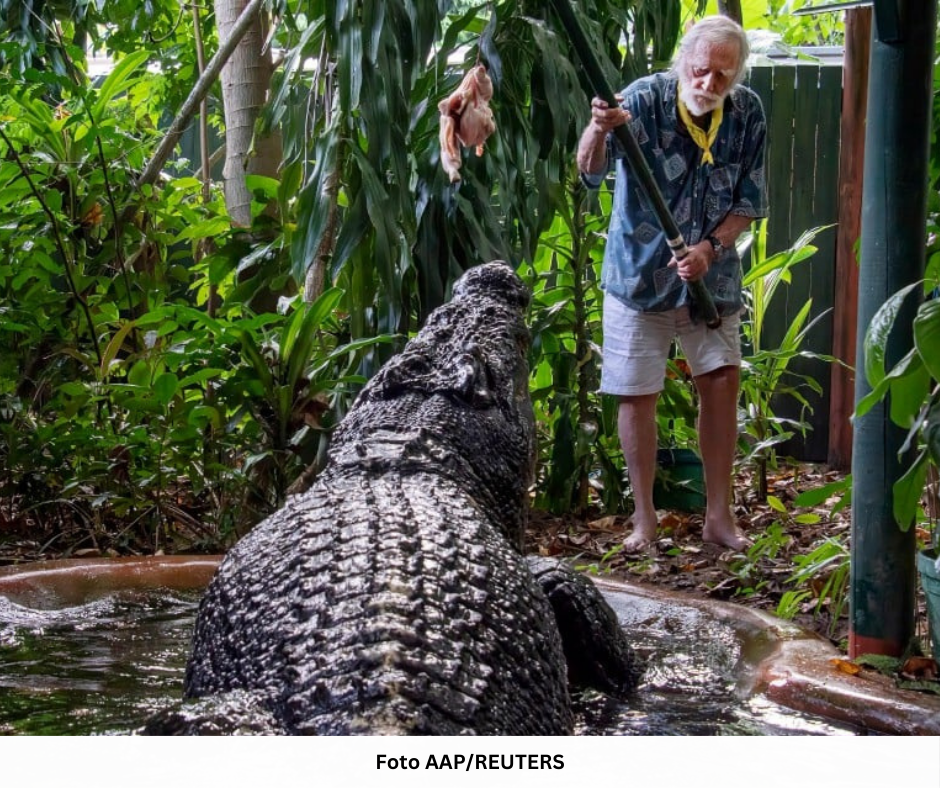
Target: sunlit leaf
x,y
776,504
876,336
119,80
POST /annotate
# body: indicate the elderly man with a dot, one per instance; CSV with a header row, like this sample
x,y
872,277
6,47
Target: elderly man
x,y
702,133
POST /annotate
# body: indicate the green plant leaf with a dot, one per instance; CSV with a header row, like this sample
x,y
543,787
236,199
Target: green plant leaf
x,y
908,392
931,429
265,185
927,335
807,519
776,504
907,492
165,386
876,337
117,341
118,80
210,228
907,365
821,494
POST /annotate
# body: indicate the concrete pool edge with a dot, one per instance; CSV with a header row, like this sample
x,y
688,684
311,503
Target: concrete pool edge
x,y
793,668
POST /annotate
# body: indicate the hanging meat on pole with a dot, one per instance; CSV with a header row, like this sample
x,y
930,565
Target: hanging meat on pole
x,y
466,118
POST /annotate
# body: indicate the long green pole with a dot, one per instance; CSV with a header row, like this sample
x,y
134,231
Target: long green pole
x,y
637,161
894,215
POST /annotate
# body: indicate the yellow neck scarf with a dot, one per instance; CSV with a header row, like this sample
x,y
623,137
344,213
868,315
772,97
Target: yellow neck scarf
x,y
702,138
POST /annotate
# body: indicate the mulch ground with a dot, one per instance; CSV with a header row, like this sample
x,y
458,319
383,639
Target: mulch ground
x,y
784,542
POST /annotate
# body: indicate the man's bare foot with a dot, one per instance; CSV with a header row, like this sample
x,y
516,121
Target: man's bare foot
x,y
725,533
640,539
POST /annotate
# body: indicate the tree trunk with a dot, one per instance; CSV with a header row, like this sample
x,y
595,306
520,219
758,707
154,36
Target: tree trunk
x,y
732,9
246,78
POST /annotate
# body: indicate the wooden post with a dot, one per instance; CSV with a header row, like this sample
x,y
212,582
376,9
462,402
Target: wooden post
x,y
851,161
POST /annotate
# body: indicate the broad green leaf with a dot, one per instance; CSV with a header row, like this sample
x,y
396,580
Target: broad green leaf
x,y
157,315
931,430
876,337
927,335
906,366
210,228
907,492
139,374
200,377
908,393
165,386
821,494
204,415
262,183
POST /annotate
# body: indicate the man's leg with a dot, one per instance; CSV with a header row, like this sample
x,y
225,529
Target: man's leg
x,y
718,433
636,425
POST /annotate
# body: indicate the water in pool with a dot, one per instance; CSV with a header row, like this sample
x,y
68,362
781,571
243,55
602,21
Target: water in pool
x,y
104,666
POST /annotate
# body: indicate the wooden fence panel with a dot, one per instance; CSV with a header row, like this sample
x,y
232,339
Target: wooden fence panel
x,y
802,101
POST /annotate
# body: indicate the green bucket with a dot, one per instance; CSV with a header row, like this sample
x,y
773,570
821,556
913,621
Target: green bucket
x,y
680,482
930,582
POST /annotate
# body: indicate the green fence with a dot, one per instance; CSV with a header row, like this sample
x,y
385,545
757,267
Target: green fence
x,y
803,101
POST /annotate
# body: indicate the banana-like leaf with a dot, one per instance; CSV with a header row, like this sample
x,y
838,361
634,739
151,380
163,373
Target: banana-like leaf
x,y
313,205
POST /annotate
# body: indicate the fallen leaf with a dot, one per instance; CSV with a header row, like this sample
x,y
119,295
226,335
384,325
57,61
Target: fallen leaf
x,y
919,668
845,666
670,521
604,524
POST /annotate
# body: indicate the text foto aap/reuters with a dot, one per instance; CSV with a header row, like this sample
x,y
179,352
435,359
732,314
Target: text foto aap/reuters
x,y
471,762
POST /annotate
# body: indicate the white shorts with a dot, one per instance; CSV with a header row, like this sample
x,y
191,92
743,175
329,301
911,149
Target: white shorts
x,y
637,344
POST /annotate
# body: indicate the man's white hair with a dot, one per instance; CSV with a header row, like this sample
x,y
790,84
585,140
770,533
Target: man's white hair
x,y
715,30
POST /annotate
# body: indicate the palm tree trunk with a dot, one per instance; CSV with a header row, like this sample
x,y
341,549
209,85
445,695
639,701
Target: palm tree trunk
x,y
246,78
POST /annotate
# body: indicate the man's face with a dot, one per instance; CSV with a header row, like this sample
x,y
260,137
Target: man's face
x,y
707,76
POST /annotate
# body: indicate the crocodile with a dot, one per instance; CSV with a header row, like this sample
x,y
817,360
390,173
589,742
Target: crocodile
x,y
393,596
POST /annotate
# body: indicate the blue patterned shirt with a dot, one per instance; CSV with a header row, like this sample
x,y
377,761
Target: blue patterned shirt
x,y
699,195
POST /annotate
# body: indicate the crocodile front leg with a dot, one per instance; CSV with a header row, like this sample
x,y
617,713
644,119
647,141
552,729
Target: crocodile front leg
x,y
596,649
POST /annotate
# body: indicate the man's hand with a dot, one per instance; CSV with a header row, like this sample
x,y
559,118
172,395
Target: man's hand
x,y
696,263
592,147
605,118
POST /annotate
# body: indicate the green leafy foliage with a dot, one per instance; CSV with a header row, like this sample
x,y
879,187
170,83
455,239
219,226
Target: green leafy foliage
x,y
765,373
143,405
825,570
152,393
910,388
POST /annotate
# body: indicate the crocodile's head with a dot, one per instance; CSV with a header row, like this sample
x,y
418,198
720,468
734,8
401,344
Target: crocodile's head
x,y
456,399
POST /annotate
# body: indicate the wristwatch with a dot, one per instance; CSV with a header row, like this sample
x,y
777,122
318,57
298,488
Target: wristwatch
x,y
717,246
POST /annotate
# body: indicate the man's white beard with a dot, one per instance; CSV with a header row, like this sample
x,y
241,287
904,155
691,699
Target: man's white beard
x,y
699,103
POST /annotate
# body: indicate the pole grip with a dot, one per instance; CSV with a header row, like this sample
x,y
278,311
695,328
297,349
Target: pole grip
x,y
637,161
